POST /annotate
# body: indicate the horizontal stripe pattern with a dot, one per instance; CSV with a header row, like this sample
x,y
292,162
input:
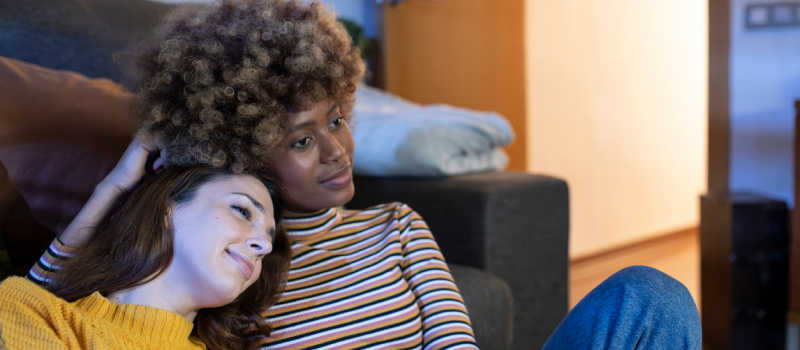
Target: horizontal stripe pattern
x,y
50,262
372,279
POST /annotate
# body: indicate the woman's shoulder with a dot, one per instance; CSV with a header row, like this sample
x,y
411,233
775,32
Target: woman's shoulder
x,y
23,289
23,297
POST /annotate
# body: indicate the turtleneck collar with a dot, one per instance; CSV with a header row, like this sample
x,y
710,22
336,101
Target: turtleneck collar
x,y
149,324
304,226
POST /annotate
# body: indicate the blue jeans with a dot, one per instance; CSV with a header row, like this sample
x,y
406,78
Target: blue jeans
x,y
638,307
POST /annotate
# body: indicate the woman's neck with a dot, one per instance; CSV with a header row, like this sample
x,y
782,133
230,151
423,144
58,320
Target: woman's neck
x,y
158,293
296,212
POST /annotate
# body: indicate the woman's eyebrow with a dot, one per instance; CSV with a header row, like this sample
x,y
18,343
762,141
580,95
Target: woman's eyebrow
x,y
294,128
300,126
333,108
255,202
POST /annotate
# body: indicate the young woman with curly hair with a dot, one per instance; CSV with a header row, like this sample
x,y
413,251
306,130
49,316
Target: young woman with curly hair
x,y
255,84
186,260
249,84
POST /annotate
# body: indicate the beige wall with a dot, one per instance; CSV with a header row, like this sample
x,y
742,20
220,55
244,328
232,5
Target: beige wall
x,y
616,105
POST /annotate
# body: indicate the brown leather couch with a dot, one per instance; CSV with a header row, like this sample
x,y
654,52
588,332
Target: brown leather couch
x,y
60,134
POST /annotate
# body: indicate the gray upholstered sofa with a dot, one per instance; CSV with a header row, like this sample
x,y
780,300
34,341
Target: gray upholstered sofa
x,y
505,235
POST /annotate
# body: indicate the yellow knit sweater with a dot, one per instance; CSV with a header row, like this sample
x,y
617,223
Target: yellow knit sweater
x,y
33,318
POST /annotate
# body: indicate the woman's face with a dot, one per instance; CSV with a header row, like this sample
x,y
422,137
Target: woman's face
x,y
221,236
314,161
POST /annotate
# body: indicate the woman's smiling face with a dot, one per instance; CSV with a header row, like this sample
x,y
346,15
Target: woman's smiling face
x,y
221,236
314,161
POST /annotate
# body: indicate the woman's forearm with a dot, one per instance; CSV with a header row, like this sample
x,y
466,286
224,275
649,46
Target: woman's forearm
x,y
77,234
123,178
95,210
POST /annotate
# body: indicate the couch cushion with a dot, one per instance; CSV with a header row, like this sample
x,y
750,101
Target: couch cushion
x,y
60,134
489,304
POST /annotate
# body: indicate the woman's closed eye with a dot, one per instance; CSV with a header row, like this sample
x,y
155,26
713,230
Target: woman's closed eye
x,y
242,210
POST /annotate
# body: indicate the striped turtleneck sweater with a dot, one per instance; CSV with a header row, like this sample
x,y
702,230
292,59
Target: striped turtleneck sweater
x,y
368,279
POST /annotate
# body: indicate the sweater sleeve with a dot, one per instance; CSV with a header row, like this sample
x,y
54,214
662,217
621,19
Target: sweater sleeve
x,y
29,317
44,269
445,323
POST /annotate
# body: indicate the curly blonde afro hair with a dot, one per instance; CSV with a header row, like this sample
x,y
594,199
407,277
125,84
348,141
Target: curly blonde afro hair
x,y
218,81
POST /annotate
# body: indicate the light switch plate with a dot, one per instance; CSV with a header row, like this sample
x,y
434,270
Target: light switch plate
x,y
772,15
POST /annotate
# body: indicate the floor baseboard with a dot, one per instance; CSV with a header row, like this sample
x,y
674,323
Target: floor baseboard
x,y
676,254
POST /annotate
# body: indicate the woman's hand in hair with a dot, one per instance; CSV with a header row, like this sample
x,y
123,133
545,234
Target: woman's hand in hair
x,y
131,167
123,178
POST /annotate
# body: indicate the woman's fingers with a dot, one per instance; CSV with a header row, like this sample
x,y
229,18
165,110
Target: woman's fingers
x,y
151,144
130,168
159,163
164,153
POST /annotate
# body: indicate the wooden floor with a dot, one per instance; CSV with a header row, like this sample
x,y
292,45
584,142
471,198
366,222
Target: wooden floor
x,y
676,254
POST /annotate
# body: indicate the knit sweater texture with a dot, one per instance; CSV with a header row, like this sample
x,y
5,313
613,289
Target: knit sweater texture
x,y
32,318
367,279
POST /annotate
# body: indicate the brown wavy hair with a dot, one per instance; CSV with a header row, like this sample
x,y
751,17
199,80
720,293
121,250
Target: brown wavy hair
x,y
134,245
220,78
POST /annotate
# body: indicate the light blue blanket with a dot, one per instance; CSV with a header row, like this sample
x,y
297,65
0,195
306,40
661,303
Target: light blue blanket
x,y
396,137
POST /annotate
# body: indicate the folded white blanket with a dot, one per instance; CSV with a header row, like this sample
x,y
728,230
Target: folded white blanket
x,y
396,137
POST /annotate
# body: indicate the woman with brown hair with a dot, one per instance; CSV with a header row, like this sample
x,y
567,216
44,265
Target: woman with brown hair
x,y
270,84
251,84
186,260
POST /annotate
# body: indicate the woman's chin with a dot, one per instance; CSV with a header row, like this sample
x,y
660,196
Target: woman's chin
x,y
341,196
347,194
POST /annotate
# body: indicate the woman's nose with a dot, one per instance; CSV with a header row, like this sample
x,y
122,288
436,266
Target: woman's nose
x,y
260,244
332,150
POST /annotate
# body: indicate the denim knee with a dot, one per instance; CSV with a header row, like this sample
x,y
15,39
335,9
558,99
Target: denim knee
x,y
648,284
659,291
637,307
644,279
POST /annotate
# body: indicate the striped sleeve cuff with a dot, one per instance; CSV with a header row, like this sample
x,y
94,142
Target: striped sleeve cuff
x,y
50,262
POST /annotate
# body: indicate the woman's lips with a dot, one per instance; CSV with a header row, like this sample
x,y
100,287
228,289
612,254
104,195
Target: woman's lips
x,y
245,265
339,179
